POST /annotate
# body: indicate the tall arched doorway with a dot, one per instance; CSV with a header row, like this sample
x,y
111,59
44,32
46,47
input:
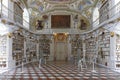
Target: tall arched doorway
x,y
60,47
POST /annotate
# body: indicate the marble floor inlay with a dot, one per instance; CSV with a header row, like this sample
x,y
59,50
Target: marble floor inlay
x,y
59,71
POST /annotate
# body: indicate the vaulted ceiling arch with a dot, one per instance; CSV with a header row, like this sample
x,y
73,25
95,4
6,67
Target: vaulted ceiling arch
x,y
82,8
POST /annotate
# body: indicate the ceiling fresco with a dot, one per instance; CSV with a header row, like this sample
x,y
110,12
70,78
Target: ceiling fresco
x,y
59,0
40,7
46,5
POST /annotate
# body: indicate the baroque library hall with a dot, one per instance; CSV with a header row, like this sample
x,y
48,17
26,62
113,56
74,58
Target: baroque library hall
x,y
59,39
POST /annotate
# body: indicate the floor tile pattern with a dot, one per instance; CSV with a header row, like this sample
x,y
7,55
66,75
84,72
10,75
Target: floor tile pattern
x,y
59,71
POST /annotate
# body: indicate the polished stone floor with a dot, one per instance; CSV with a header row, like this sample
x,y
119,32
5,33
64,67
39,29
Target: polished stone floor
x,y
59,71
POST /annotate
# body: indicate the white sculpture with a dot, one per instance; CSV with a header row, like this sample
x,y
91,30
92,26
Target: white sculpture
x,y
80,64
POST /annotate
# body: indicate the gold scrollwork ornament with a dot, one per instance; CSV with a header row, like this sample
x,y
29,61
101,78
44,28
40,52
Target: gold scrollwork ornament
x,y
9,35
112,34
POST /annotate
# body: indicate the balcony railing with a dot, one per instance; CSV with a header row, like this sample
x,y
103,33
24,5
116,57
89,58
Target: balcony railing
x,y
112,14
12,16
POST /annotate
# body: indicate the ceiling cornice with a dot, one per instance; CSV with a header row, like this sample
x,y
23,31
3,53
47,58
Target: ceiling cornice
x,y
61,9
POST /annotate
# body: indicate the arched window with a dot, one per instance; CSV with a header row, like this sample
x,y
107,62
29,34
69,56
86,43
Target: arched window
x,y
95,17
5,7
0,6
117,8
26,19
116,1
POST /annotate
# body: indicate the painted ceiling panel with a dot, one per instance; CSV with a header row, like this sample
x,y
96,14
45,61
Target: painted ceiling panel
x,y
59,0
80,7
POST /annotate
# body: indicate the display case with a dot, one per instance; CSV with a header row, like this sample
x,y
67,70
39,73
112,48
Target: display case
x,y
80,48
3,51
98,46
117,55
44,47
104,47
31,54
74,47
90,42
18,48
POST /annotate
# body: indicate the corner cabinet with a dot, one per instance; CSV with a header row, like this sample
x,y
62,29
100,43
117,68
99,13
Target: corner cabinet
x,y
18,48
3,52
117,53
104,48
6,60
31,54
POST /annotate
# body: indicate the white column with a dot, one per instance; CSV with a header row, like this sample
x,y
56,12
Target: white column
x,y
112,51
66,49
37,50
97,45
25,49
69,48
84,52
10,61
72,22
84,48
51,56
49,22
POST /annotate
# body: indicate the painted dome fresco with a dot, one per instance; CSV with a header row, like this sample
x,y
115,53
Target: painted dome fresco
x,y
82,8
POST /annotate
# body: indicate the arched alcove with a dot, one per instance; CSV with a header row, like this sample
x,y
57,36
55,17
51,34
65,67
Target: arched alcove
x,y
26,19
95,17
117,1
